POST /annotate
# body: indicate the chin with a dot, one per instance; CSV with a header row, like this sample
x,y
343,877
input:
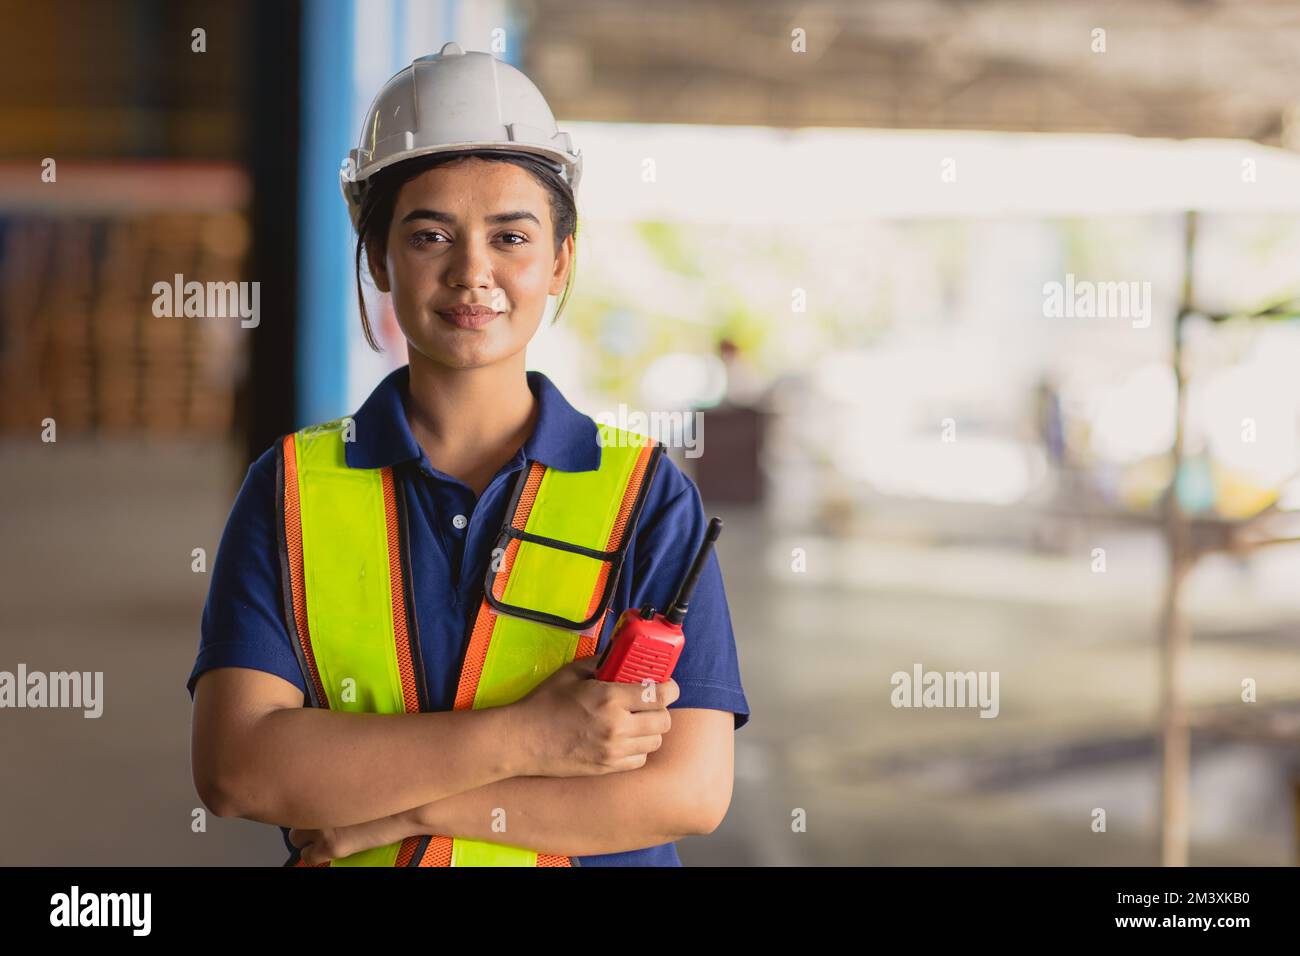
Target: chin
x,y
462,356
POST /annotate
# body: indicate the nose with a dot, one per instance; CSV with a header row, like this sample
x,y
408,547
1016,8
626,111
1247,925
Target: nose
x,y
469,264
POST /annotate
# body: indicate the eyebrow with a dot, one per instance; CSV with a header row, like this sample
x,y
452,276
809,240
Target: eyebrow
x,y
448,218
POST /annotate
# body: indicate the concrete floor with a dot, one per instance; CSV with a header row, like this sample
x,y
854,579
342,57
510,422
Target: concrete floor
x,y
97,540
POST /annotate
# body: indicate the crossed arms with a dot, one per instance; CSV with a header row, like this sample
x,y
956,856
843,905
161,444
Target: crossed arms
x,y
347,782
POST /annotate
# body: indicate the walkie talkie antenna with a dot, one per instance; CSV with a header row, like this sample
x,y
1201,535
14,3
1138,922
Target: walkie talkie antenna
x,y
677,610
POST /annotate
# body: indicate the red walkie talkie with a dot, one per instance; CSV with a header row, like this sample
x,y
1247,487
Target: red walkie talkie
x,y
646,645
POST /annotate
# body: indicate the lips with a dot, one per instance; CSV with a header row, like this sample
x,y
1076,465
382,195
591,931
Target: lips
x,y
468,316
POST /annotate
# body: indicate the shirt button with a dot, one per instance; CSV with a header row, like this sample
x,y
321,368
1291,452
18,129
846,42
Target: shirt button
x,y
459,522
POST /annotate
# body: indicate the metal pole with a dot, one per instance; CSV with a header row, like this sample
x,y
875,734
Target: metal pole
x,y
1295,797
1175,735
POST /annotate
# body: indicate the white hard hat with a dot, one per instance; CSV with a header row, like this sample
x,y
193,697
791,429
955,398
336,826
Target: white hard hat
x,y
453,100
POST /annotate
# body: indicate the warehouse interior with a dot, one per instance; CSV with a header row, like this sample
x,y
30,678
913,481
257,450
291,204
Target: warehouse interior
x,y
1154,142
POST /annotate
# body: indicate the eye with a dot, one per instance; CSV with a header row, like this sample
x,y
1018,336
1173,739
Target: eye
x,y
518,235
424,237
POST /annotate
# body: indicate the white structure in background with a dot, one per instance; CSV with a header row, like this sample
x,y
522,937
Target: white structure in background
x,y
838,182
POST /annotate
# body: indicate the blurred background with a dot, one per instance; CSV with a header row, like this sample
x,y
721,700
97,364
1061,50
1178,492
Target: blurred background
x,y
840,233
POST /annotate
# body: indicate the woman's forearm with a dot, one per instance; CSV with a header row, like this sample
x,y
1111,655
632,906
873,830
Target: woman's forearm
x,y
306,767
683,789
462,816
574,816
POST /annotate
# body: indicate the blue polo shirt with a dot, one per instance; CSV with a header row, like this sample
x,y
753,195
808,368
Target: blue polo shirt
x,y
243,621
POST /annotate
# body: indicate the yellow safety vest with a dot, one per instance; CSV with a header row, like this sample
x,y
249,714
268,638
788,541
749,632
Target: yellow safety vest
x,y
349,606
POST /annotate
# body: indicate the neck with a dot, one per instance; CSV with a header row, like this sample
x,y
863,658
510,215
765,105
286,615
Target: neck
x,y
470,421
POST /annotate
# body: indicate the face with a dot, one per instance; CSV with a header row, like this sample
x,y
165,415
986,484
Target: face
x,y
471,233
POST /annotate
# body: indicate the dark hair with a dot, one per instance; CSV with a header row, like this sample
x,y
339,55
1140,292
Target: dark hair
x,y
381,196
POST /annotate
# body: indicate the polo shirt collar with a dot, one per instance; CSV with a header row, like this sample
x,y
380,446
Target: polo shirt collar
x,y
563,437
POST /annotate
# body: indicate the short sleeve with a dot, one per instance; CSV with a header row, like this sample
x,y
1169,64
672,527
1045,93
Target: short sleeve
x,y
708,671
243,622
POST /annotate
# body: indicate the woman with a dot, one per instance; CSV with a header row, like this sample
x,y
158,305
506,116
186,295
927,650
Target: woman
x,y
440,754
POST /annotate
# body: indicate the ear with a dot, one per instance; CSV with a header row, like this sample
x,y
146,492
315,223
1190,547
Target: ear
x,y
560,274
378,270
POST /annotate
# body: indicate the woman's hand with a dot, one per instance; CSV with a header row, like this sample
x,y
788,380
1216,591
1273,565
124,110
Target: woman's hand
x,y
334,843
572,726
